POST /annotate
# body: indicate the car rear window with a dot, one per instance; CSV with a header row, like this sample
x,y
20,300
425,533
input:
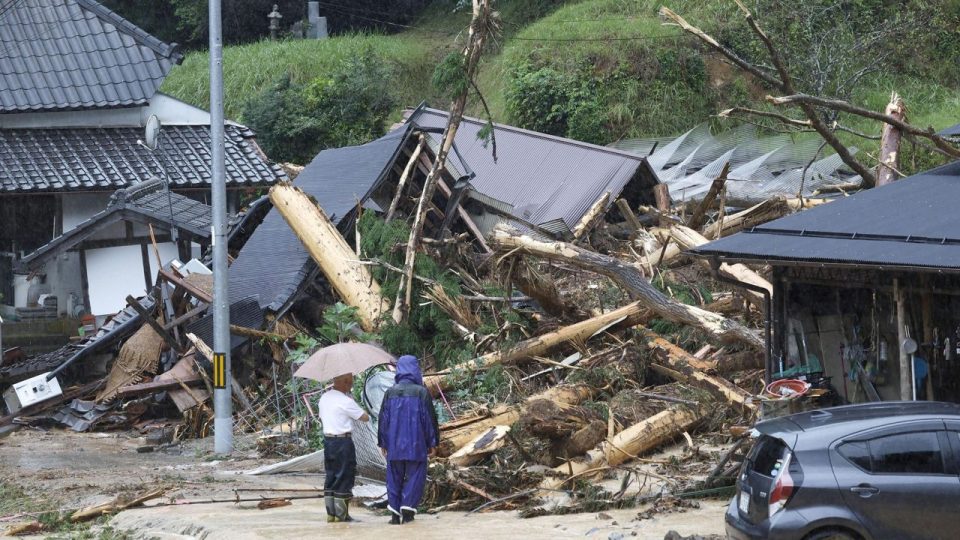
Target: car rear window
x,y
903,453
767,455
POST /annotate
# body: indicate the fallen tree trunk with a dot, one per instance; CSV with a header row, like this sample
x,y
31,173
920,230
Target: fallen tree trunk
x,y
594,214
630,443
631,278
482,445
454,436
691,369
541,344
758,214
351,279
688,238
700,213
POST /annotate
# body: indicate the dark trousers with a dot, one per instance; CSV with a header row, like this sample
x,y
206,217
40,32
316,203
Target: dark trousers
x,y
340,467
405,483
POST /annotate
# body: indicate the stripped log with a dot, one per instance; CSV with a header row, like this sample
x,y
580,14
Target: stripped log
x,y
541,344
629,443
631,278
592,216
456,435
687,368
351,279
484,444
758,214
888,169
688,238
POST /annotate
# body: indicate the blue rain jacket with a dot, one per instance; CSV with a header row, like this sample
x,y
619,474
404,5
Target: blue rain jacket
x,y
407,425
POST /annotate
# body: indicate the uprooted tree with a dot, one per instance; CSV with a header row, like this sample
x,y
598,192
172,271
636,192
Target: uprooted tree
x,y
820,114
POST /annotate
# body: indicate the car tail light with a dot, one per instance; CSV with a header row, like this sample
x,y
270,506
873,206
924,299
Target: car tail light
x,y
783,487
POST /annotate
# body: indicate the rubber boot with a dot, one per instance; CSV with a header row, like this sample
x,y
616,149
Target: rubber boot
x,y
331,509
343,509
394,519
408,515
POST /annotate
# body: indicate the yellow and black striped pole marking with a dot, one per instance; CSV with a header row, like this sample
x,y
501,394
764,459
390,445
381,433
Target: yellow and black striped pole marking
x,y
219,370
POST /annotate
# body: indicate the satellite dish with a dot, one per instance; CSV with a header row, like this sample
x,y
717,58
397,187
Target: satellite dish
x,y
909,346
152,132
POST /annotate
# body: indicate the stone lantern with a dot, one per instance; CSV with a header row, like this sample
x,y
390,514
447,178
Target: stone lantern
x,y
274,17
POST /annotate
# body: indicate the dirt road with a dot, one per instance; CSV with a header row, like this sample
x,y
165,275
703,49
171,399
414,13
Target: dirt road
x,y
66,470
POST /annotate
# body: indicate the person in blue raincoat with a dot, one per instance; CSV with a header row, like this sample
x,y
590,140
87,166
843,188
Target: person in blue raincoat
x,y
407,435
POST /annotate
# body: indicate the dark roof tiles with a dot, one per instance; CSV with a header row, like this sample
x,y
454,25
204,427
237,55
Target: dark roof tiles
x,y
76,54
45,160
912,223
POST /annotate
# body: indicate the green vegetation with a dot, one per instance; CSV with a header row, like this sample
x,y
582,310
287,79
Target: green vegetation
x,y
601,70
345,107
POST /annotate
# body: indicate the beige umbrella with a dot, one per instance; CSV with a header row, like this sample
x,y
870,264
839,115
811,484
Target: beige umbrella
x,y
340,359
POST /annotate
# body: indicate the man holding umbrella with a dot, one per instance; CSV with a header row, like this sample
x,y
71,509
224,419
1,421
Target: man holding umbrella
x,y
407,434
338,411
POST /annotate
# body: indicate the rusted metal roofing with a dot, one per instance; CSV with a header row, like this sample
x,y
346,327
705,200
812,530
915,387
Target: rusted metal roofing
x,y
548,181
76,54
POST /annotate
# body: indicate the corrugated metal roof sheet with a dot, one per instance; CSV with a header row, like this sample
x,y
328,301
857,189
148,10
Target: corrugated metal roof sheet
x,y
273,263
546,179
76,54
912,222
36,160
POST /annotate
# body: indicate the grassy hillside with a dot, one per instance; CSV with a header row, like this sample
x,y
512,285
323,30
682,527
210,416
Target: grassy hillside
x,y
621,72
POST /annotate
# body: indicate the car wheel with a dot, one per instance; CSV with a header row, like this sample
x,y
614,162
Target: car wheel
x,y
832,534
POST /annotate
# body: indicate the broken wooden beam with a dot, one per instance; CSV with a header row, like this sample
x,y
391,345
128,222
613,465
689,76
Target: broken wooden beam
x,y
194,291
699,215
402,183
155,386
349,277
631,278
157,327
484,444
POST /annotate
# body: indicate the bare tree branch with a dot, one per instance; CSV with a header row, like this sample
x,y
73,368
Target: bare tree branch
x,y
840,105
766,114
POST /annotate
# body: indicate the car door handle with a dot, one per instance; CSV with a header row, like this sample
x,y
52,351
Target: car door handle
x,y
865,490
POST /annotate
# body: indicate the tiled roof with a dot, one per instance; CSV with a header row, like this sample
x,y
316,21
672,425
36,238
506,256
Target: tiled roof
x,y
38,160
147,203
76,54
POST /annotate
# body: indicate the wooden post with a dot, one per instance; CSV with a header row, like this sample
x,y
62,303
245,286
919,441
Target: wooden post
x,y
350,278
890,143
926,303
906,377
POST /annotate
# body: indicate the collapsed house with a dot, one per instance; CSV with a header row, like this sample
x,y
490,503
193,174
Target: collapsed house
x,y
865,289
78,84
538,181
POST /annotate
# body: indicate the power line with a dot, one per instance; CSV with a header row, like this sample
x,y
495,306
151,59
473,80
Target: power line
x,y
629,38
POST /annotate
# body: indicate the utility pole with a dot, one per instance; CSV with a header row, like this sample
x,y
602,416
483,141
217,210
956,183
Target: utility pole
x,y
222,406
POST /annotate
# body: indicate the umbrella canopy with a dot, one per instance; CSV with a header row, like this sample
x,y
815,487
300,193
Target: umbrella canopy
x,y
340,359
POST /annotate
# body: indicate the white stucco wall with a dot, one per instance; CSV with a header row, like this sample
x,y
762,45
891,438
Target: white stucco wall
x,y
115,272
168,110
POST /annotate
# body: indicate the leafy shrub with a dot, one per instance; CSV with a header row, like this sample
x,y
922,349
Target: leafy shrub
x,y
350,106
